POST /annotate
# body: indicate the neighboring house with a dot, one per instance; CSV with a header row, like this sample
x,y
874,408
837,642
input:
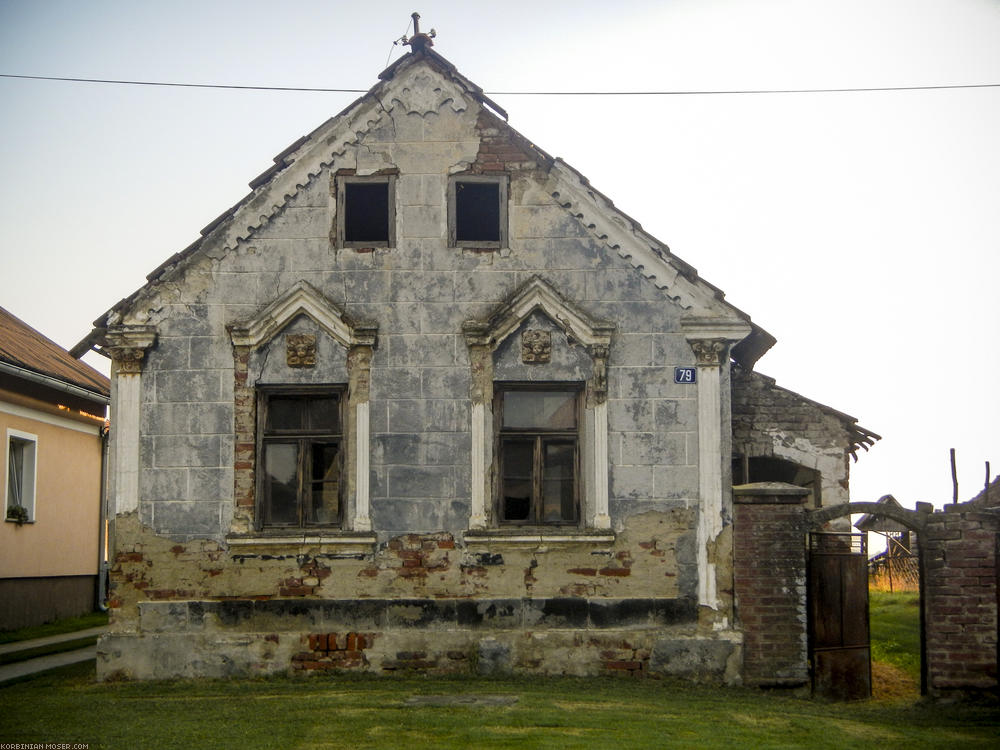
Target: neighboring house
x,y
52,422
426,400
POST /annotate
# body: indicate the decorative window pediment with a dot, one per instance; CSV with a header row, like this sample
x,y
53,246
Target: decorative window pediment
x,y
302,299
309,473
512,466
537,294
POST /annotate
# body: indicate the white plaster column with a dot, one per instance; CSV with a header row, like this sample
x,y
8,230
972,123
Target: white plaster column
x,y
710,339
481,399
602,516
709,463
477,514
127,346
597,403
362,510
359,364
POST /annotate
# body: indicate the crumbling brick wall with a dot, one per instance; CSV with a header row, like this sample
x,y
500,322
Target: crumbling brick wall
x,y
770,421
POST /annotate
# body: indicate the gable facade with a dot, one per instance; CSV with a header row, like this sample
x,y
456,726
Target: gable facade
x,y
412,405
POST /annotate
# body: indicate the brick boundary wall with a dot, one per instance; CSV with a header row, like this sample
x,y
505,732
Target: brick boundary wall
x,y
960,602
769,578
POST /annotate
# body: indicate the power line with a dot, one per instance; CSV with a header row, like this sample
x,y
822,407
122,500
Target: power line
x,y
184,85
708,92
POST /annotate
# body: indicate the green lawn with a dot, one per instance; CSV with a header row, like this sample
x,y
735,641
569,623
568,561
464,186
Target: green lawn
x,y
895,630
365,712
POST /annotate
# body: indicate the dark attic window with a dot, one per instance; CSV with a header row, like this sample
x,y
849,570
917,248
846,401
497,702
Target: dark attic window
x,y
366,212
477,209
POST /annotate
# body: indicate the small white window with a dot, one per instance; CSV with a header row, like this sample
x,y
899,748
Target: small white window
x,y
21,453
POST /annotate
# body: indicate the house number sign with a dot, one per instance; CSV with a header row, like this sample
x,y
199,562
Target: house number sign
x,y
685,374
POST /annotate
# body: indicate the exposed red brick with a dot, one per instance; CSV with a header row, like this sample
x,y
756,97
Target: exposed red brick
x,y
615,572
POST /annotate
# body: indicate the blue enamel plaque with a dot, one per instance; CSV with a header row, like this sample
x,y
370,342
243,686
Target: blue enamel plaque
x,y
685,374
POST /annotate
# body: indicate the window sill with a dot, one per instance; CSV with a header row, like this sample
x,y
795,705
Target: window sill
x,y
29,522
336,539
516,536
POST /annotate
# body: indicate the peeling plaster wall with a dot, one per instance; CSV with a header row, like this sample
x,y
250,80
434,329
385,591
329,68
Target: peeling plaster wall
x,y
622,601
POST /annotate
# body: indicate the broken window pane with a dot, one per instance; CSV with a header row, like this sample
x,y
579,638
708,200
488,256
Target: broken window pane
x,y
281,462
301,459
325,500
543,410
558,461
518,473
537,443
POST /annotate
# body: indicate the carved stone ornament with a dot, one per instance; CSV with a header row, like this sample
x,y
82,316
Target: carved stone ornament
x,y
709,351
300,350
599,380
359,372
536,347
424,95
128,360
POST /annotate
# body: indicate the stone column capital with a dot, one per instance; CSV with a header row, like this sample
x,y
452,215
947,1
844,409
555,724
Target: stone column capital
x,y
709,352
127,346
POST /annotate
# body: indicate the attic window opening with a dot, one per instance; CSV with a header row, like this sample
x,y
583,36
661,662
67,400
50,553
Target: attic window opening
x,y
477,209
747,469
366,212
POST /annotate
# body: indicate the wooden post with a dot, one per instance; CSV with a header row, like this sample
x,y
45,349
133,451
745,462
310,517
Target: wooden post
x,y
954,479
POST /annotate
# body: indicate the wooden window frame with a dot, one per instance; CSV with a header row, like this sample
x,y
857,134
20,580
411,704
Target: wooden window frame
x,y
540,436
342,182
501,181
304,440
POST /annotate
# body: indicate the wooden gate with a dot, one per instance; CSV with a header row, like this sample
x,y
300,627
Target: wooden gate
x,y
839,649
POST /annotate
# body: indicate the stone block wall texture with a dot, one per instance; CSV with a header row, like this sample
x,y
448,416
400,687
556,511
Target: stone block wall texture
x,y
959,549
419,293
769,572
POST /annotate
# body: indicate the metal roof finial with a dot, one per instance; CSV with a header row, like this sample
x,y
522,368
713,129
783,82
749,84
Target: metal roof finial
x,y
419,42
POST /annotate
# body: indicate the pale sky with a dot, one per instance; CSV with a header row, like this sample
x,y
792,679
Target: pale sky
x,y
861,229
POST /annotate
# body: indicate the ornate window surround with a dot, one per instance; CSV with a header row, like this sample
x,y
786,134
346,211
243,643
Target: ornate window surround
x,y
483,337
359,341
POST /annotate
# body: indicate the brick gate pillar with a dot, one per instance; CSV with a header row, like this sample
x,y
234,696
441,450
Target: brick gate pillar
x,y
959,549
769,583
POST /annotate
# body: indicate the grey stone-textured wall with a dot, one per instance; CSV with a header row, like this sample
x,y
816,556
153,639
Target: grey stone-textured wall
x,y
190,550
418,293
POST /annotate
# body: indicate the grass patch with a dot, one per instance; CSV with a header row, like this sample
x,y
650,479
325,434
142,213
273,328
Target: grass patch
x,y
365,712
51,648
895,630
69,625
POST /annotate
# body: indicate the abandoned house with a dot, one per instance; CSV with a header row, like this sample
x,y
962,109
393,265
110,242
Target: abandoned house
x,y
426,400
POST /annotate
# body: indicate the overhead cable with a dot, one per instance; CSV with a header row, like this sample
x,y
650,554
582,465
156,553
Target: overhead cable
x,y
706,92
